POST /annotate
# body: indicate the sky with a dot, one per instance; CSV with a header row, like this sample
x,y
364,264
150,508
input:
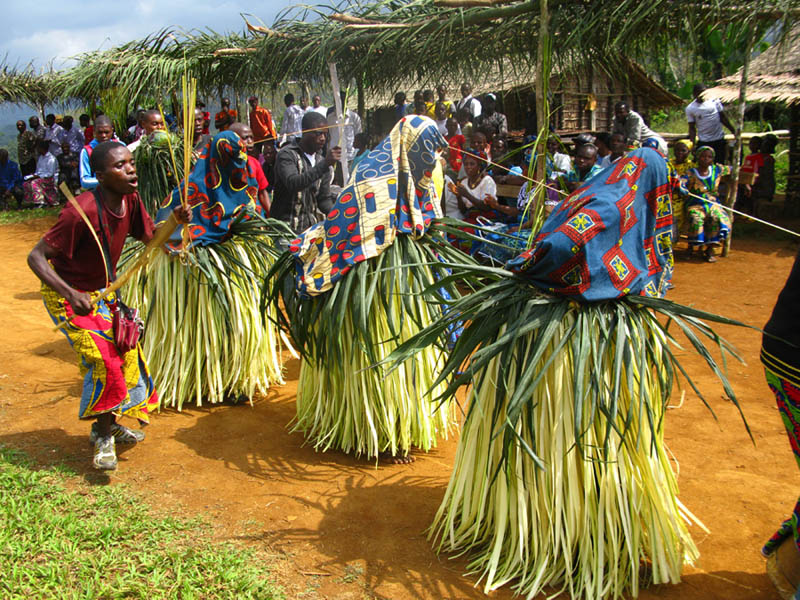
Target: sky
x,y
44,32
41,31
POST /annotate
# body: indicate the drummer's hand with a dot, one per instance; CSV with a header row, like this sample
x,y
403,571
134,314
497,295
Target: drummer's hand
x,y
183,214
81,303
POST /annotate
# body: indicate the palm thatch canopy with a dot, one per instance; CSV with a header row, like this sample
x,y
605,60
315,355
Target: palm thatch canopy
x,y
26,86
380,44
774,75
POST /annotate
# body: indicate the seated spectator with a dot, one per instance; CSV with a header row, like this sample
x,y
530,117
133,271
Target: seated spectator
x,y
585,168
490,119
40,189
455,142
10,181
470,196
603,142
558,163
478,141
53,133
703,204
618,145
679,167
68,170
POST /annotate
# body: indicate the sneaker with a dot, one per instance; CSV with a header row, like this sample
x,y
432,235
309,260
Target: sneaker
x,y
122,434
105,454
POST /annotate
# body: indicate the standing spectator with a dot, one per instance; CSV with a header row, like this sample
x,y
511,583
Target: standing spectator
x,y
291,127
226,116
53,134
87,129
632,126
440,116
41,190
10,181
136,130
206,117
468,102
464,123
261,125
36,127
304,104
430,105
531,121
151,122
103,132
400,107
268,156
302,177
199,139
763,189
316,106
441,91
72,135
26,149
490,119
706,118
68,167
253,166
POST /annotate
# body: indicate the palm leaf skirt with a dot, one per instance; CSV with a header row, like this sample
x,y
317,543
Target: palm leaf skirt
x,y
205,337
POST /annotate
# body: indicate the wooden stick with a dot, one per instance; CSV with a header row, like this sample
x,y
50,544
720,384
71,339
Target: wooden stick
x,y
345,18
162,234
341,115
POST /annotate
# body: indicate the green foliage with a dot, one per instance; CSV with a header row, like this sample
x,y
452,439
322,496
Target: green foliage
x,y
24,215
57,541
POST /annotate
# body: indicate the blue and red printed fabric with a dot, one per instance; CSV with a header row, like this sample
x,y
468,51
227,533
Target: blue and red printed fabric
x,y
221,186
395,189
609,238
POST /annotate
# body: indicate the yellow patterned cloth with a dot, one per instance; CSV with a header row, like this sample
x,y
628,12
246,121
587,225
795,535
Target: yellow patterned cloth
x,y
111,382
396,188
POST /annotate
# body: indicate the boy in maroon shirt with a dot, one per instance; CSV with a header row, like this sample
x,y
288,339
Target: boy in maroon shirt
x,y
71,265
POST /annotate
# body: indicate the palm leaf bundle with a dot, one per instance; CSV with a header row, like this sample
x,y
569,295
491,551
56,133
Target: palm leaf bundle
x,y
342,403
205,337
561,478
155,167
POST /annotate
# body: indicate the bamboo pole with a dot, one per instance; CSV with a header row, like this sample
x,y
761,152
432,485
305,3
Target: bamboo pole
x,y
542,80
737,147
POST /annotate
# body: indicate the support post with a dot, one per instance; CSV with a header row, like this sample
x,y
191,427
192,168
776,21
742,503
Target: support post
x,y
337,101
542,84
791,206
737,147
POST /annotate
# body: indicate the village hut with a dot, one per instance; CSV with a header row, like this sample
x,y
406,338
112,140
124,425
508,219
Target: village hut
x,y
774,77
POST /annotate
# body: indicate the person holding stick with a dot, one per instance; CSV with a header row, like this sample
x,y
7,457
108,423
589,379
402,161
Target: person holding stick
x,y
74,265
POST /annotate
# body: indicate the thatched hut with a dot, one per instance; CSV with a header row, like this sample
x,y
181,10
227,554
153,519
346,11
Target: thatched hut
x,y
775,77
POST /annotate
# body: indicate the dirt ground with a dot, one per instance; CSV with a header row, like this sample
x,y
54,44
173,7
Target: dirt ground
x,y
340,528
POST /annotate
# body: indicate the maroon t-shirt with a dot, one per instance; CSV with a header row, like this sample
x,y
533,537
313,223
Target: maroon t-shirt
x,y
80,260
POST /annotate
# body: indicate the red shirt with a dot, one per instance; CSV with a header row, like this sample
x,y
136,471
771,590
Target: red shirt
x,y
206,121
88,134
258,172
753,163
80,260
456,143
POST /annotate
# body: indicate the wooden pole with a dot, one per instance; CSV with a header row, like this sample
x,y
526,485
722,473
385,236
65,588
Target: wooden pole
x,y
791,206
337,101
542,83
737,147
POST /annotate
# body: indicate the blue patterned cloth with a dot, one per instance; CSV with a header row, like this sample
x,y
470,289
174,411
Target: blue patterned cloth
x,y
221,186
395,189
609,238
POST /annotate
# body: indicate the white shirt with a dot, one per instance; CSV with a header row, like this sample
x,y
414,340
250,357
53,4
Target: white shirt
x,y
53,135
312,158
292,121
471,103
323,110
562,164
352,126
705,116
442,125
46,165
486,186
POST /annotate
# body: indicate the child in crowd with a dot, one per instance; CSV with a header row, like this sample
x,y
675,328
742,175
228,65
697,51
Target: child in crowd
x,y
679,166
456,142
440,116
463,117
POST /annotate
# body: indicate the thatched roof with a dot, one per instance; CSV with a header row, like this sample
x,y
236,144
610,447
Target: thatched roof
x,y
774,75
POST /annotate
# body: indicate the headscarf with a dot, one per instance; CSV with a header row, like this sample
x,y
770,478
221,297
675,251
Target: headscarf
x,y
703,149
686,142
395,189
221,186
609,238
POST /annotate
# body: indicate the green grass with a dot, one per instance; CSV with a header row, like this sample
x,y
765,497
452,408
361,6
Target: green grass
x,y
59,538
20,216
